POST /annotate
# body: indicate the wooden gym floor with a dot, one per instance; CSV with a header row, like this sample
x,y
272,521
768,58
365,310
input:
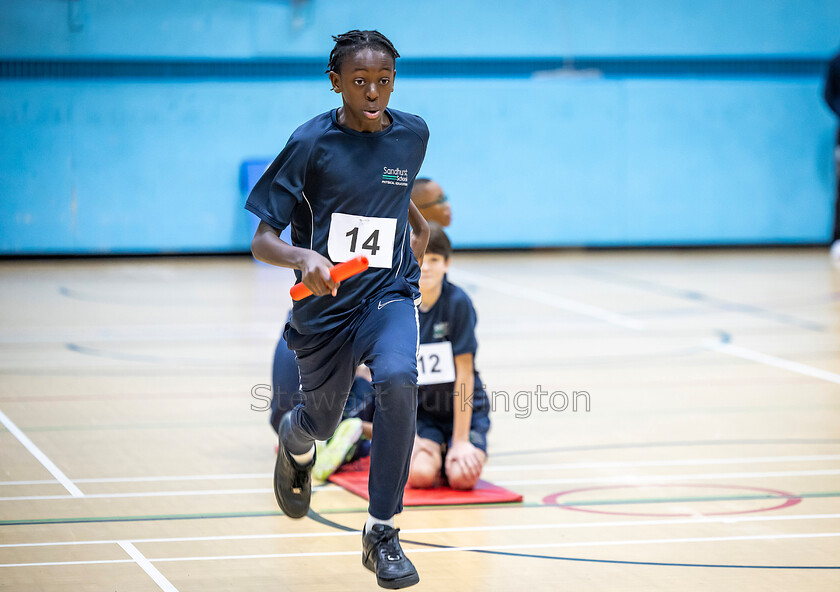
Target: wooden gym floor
x,y
709,457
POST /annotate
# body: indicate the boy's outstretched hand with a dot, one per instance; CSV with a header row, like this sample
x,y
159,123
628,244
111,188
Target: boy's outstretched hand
x,y
315,272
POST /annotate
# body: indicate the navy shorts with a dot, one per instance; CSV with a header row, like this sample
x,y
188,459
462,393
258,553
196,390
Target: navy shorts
x,y
439,428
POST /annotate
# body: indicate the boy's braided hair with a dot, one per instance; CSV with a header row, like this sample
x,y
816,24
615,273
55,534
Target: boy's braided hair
x,y
354,40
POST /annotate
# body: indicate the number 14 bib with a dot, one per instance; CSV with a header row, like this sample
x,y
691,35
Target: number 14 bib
x,y
351,236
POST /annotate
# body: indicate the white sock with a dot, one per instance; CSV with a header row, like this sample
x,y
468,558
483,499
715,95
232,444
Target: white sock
x,y
305,458
371,521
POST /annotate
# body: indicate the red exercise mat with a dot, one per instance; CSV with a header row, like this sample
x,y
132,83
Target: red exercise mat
x,y
354,478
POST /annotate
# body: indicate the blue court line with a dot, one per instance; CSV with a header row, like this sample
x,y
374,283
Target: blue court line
x,y
119,300
326,522
77,295
113,355
647,563
145,358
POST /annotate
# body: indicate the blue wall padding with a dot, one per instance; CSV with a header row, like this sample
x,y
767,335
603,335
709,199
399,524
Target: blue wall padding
x,y
679,124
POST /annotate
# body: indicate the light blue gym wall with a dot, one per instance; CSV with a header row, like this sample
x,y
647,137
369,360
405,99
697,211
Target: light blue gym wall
x,y
120,165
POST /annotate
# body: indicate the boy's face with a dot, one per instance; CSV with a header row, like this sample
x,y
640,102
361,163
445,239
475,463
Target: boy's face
x,y
432,203
432,272
366,81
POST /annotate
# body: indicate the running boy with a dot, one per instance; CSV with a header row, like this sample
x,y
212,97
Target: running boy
x,y
453,409
432,203
343,183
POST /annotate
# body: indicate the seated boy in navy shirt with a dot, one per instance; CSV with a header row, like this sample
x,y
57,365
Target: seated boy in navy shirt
x,y
451,424
453,409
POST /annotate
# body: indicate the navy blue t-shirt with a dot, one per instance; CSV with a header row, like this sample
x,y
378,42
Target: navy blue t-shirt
x,y
346,193
453,319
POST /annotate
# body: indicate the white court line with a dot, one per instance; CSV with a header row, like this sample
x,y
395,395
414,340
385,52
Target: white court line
x,y
635,479
612,479
150,569
89,562
139,494
176,478
755,356
490,467
772,537
230,537
40,456
412,531
167,332
95,562
631,323
150,479
39,482
664,463
553,300
159,493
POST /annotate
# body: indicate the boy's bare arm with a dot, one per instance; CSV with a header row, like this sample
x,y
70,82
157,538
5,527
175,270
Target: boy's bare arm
x,y
463,404
420,235
268,247
462,451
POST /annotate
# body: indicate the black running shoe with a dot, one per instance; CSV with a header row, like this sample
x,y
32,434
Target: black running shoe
x,y
292,482
382,554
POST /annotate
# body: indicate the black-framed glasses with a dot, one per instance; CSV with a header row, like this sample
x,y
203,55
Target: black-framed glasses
x,y
441,200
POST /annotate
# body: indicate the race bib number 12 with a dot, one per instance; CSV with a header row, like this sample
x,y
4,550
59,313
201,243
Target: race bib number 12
x,y
351,236
435,363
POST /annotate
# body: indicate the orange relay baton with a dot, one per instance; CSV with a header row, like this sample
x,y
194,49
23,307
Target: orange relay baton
x,y
339,273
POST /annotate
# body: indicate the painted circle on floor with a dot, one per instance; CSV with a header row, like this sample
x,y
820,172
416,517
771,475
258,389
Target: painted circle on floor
x,y
777,499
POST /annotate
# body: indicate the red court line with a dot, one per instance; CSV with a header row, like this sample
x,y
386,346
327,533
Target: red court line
x,y
790,499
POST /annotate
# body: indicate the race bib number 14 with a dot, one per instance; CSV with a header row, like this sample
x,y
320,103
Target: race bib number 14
x,y
351,236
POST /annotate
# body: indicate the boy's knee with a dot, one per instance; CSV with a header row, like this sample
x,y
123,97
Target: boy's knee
x,y
399,388
457,480
324,432
321,427
425,465
422,475
402,379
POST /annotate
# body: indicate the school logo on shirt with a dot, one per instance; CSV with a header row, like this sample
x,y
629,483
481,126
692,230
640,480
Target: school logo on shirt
x,y
395,176
440,330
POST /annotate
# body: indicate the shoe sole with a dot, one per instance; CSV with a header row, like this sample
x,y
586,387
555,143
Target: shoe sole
x,y
296,512
287,511
403,582
334,453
